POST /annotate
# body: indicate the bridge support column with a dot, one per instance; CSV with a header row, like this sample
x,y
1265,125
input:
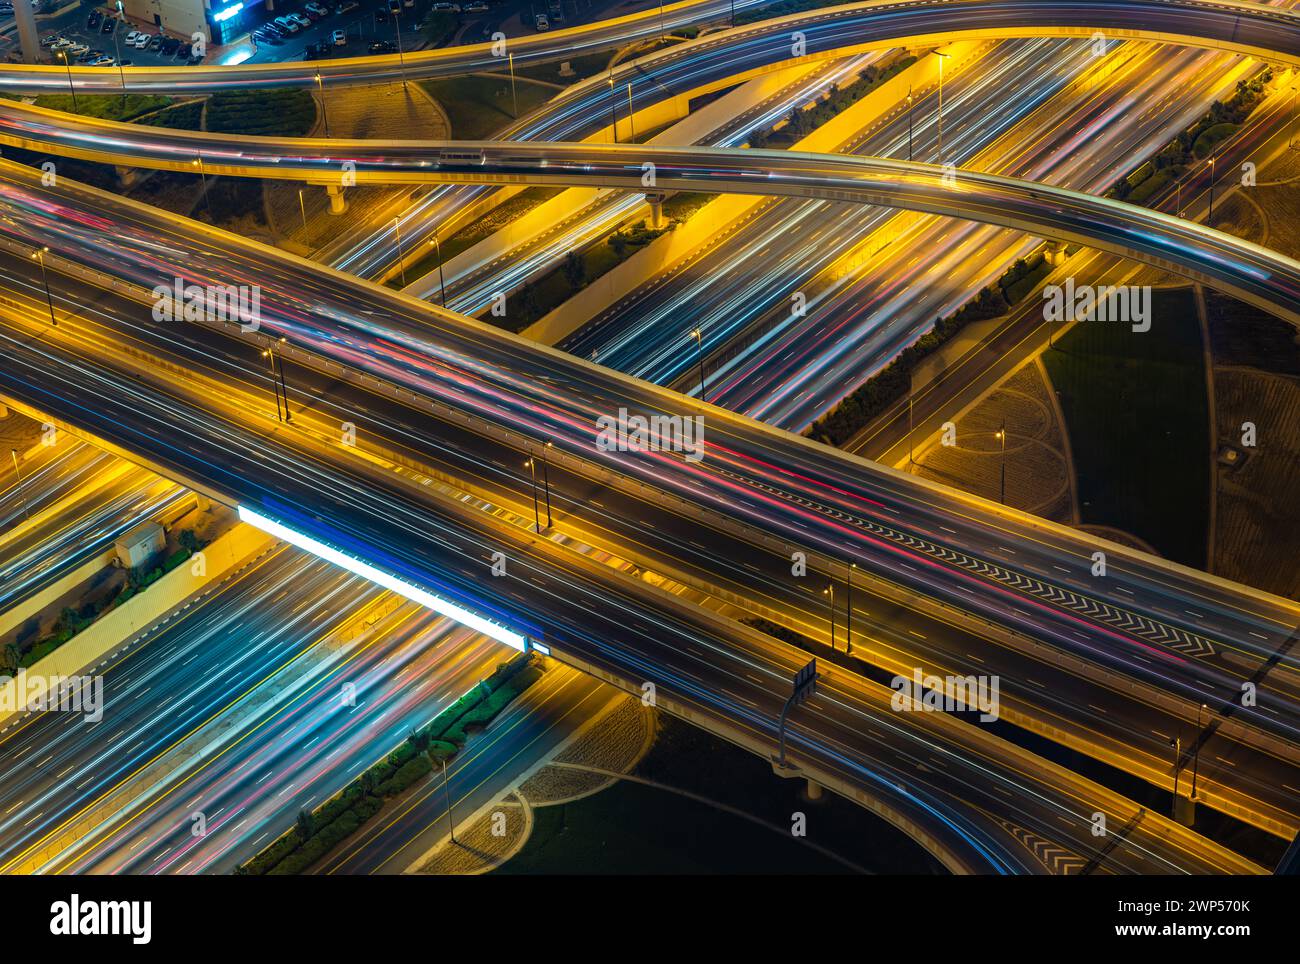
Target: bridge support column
x,y
202,502
1184,810
1055,253
656,219
4,410
28,39
338,203
814,790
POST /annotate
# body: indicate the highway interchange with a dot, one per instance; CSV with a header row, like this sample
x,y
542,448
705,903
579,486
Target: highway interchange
x,y
465,403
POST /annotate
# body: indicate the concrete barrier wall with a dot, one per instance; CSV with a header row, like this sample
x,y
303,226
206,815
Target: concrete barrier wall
x,y
122,625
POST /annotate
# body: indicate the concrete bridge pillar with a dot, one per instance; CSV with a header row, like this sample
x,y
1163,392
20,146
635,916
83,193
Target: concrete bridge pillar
x,y
814,790
338,203
656,219
28,39
1055,253
1184,810
4,410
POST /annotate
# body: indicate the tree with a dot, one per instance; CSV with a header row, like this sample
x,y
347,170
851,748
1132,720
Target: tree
x,y
575,269
188,540
306,824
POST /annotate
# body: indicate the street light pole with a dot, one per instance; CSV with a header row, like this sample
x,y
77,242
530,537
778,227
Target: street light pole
x,y
531,465
451,826
848,611
275,384
324,112
71,89
397,29
302,206
1196,750
630,122
39,255
1209,220
442,281
27,512
203,174
909,125
942,58
830,591
699,352
613,115
284,387
546,483
1177,744
1002,437
401,262
514,94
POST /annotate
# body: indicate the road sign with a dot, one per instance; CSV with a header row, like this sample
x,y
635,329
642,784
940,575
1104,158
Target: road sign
x,y
805,681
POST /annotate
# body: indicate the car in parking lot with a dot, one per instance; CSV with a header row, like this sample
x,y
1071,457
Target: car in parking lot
x,y
50,40
319,9
169,46
142,41
347,7
156,42
383,47
194,60
90,56
340,38
264,36
290,25
184,51
542,23
131,38
447,7
109,25
475,8
93,20
103,61
300,19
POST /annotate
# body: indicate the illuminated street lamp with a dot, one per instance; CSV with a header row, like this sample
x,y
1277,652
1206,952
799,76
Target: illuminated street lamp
x,y
848,610
275,384
401,262
27,513
277,358
442,281
1177,744
942,58
699,352
1196,751
39,255
514,94
1209,220
207,202
630,122
613,115
830,591
302,206
324,113
1001,436
546,483
531,465
447,786
909,124
71,89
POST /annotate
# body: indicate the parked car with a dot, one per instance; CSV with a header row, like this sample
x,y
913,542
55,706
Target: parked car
x,y
542,23
183,52
475,8
447,7
142,41
300,19
287,24
90,56
319,9
194,60
340,38
264,36
104,61
347,7
383,47
131,38
109,25
169,46
93,20
156,42
274,29
51,40
62,43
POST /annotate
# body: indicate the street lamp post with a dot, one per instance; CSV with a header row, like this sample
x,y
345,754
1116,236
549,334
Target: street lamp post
x,y
121,71
302,206
1209,220
909,125
699,353
1196,750
27,512
451,825
71,89
546,483
630,122
203,175
830,591
848,610
401,262
275,384
531,465
942,58
324,112
1002,488
1177,744
39,255
442,281
397,30
514,94
613,115
277,357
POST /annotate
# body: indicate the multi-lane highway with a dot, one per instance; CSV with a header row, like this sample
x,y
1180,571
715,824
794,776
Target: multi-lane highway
x,y
240,474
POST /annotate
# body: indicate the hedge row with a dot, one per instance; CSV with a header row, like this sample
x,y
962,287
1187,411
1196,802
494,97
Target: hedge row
x,y
883,389
284,113
319,832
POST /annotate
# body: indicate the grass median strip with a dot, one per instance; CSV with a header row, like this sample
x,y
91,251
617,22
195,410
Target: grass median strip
x,y
319,831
